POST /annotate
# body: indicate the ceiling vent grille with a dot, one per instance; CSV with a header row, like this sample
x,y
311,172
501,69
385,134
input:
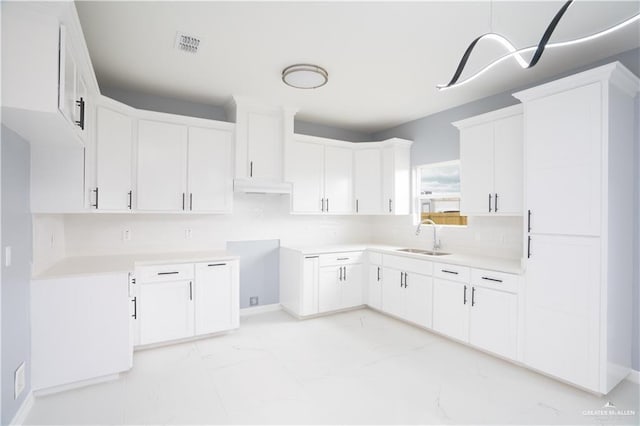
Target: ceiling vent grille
x,y
187,43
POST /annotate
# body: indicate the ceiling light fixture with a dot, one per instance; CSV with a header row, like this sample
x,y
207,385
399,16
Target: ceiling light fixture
x,y
305,76
517,53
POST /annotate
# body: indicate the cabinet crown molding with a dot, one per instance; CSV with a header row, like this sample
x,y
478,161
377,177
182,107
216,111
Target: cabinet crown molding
x,y
615,73
489,116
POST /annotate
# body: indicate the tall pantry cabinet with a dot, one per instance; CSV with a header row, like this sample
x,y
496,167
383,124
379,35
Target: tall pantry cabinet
x,y
578,223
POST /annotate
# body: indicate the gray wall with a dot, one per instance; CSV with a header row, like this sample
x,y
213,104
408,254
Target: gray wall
x,y
213,112
259,270
314,129
16,232
435,139
164,104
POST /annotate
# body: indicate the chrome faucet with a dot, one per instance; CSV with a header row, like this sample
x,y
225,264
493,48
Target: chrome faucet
x,y
436,243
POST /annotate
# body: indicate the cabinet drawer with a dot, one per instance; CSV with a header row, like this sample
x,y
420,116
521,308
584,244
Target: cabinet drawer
x,y
407,264
451,272
340,258
495,280
375,258
158,273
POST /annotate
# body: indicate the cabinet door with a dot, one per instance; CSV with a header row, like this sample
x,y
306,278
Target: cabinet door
x,y
210,182
351,288
418,299
563,161
493,321
165,311
476,169
338,180
450,308
396,180
368,181
329,288
67,83
305,170
374,293
562,308
114,140
79,111
215,296
264,150
162,152
310,282
392,292
508,159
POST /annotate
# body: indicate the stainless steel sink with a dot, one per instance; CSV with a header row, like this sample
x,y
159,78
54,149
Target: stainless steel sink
x,y
425,252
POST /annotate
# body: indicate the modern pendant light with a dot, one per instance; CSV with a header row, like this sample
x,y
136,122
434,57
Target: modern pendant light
x,y
305,76
517,53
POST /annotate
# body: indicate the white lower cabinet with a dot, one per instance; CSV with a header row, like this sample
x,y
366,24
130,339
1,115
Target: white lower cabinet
x,y
374,281
481,308
165,311
79,328
217,298
178,301
340,287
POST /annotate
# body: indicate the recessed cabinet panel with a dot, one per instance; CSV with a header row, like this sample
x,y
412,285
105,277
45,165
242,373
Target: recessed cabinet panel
x,y
338,180
264,133
508,165
162,158
476,169
418,299
329,288
450,310
165,311
368,180
564,133
114,145
493,321
306,172
209,170
215,297
392,292
374,291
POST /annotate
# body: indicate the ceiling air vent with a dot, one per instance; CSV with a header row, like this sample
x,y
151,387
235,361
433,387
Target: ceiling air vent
x,y
187,43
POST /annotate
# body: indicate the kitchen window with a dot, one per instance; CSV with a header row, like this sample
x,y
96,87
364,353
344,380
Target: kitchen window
x,y
438,193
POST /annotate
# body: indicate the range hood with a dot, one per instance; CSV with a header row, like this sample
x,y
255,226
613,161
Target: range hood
x,y
261,186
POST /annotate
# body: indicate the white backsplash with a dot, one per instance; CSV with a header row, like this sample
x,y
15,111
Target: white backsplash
x,y
256,217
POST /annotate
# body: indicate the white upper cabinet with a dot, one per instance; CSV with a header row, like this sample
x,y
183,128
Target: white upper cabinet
x,y
563,161
114,149
209,170
491,163
338,180
322,176
260,139
396,177
367,177
184,168
306,173
162,160
45,73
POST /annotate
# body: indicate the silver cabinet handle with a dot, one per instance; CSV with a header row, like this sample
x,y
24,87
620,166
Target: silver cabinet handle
x,y
96,191
327,205
216,264
492,279
473,296
495,203
340,278
135,308
191,201
190,290
378,273
183,196
168,273
345,273
449,272
390,208
357,206
464,300
489,203
130,199
251,169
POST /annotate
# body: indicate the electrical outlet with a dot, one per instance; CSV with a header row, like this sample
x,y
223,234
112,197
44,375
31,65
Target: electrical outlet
x,y
126,234
19,381
253,301
188,234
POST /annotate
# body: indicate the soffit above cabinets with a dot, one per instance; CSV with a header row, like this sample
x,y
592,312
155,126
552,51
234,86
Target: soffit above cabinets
x,y
384,59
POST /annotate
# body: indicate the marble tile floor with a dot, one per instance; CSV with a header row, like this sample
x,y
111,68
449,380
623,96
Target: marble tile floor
x,y
358,367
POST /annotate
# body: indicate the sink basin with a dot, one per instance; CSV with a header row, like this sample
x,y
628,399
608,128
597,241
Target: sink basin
x,y
425,252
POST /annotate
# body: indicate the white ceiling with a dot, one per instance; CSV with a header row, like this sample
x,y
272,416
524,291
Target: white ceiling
x,y
384,58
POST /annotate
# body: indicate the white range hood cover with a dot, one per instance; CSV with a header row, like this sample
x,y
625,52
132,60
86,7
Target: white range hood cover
x,y
261,186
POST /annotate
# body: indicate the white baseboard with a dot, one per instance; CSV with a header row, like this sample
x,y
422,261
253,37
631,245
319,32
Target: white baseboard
x,y
23,411
260,309
634,377
76,385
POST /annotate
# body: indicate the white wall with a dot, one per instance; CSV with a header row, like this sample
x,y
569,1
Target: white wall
x,y
255,217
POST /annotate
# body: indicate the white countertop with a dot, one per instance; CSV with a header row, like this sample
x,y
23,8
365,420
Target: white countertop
x,y
512,266
87,265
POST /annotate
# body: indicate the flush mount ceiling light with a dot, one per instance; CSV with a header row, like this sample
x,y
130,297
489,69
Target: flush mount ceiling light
x,y
305,76
517,53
